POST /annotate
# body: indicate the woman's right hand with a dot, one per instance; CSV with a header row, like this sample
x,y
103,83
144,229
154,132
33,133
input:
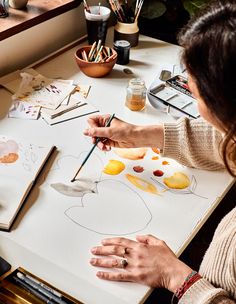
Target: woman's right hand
x,y
119,134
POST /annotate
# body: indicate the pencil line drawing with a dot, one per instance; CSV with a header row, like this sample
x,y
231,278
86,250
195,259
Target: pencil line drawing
x,y
114,216
103,199
105,206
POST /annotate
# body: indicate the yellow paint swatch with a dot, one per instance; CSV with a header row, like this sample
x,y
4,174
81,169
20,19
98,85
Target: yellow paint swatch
x,y
114,167
178,180
142,184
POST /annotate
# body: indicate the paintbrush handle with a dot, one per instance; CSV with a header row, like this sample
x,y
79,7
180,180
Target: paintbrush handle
x,y
98,139
109,120
93,147
90,152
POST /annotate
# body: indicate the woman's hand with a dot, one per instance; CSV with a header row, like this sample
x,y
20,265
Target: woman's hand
x,y
147,261
121,134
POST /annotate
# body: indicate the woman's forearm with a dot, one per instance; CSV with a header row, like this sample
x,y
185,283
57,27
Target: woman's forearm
x,y
149,136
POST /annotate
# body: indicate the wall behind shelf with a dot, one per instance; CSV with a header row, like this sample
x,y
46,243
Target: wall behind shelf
x,y
38,41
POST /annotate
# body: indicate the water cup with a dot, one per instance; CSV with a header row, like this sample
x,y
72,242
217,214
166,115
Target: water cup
x,y
97,21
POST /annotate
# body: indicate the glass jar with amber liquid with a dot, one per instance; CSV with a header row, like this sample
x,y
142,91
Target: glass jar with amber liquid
x,y
136,94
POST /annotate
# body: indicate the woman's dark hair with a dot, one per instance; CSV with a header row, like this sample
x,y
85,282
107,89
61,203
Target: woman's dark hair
x,y
209,54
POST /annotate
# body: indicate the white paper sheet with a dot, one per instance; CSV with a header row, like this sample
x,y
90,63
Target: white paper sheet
x,y
62,229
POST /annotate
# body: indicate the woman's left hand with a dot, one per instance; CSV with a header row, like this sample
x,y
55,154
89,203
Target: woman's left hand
x,y
148,261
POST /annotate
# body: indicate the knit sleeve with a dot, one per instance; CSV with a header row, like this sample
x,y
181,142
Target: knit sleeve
x,y
218,268
202,292
193,143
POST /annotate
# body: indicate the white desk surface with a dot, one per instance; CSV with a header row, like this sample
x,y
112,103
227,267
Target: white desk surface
x,y
40,244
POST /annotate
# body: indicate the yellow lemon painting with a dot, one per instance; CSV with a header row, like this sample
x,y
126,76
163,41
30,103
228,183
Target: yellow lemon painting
x,y
114,167
178,180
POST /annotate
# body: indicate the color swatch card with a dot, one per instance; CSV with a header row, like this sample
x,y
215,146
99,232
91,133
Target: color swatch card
x,y
62,109
24,110
42,91
83,89
82,109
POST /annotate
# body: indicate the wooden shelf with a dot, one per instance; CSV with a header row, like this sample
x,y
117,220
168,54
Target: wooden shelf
x,y
36,12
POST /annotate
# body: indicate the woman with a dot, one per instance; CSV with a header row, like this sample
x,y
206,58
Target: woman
x,y
209,55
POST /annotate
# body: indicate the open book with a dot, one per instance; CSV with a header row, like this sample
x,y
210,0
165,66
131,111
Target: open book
x,y
20,164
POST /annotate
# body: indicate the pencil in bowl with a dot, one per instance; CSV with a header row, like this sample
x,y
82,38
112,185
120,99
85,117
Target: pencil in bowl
x,y
96,60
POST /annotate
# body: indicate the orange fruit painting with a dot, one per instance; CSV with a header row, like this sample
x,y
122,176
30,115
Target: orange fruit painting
x,y
131,153
10,158
8,152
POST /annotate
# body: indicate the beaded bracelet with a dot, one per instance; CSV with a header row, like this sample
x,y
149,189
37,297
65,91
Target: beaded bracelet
x,y
193,277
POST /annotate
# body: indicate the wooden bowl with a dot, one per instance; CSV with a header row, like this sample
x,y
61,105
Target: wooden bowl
x,y
95,69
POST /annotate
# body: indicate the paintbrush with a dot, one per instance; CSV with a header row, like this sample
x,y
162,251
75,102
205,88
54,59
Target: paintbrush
x,y
93,147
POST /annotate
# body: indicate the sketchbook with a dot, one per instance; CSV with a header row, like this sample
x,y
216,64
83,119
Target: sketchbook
x,y
20,164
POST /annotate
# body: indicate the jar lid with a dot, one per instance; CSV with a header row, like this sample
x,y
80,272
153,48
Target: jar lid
x,y
124,44
136,82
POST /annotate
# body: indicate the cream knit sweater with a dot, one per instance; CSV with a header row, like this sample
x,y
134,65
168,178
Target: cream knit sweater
x,y
196,144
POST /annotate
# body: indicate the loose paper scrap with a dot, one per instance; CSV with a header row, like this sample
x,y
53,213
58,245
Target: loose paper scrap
x,y
23,110
11,81
82,110
62,109
42,91
66,101
83,89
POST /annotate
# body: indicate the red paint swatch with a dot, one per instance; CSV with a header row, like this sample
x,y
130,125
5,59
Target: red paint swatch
x,y
158,173
138,169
